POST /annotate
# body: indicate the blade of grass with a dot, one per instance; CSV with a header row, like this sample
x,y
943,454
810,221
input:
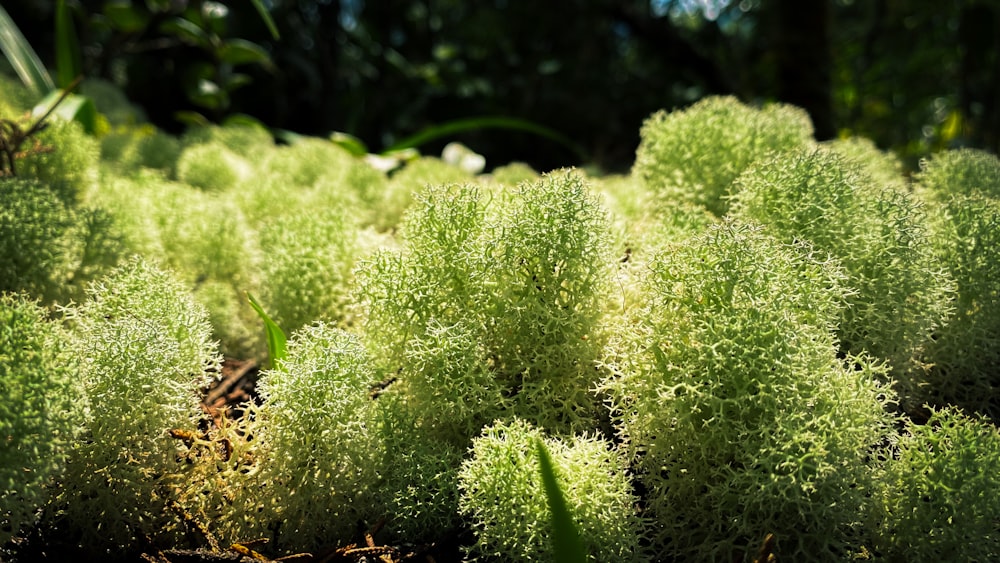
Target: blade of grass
x,y
69,107
69,63
567,547
450,128
276,343
266,16
23,58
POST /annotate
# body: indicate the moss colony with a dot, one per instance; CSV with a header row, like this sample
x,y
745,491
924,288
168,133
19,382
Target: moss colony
x,y
752,333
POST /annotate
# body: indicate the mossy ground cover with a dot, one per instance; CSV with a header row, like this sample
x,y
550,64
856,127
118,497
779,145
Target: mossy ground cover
x,y
751,335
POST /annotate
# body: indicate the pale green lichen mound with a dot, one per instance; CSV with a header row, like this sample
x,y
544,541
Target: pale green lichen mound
x,y
503,497
494,309
694,154
146,355
67,160
900,292
34,226
962,190
940,499
317,449
740,417
40,410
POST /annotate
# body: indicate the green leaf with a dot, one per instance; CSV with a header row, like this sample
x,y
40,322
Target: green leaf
x,y
125,17
241,51
567,547
187,31
288,137
243,120
159,6
266,16
450,128
69,63
276,343
233,81
192,118
350,143
73,108
23,58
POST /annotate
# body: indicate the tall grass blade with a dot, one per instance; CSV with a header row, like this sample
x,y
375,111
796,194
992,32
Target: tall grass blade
x,y
69,63
266,16
69,107
276,342
567,547
450,128
23,58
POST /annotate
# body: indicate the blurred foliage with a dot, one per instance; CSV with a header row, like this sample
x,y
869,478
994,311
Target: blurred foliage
x,y
914,75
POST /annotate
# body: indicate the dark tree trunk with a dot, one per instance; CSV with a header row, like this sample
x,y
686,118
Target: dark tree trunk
x,y
802,45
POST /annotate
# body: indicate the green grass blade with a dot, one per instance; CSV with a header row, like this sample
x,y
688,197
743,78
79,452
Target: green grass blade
x,y
276,343
450,128
266,16
69,107
567,546
69,63
23,58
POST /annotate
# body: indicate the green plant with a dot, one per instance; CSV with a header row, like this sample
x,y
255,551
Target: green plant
x,y
410,180
41,411
50,249
960,172
306,269
67,161
277,348
740,418
417,491
131,148
549,254
884,168
505,501
567,547
694,154
962,191
941,496
494,308
145,355
212,167
317,451
34,227
901,295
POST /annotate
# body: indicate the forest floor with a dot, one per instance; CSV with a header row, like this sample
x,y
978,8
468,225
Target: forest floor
x,y
227,396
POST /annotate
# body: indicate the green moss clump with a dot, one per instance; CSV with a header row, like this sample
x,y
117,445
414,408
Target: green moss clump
x,y
67,162
306,267
15,99
317,451
131,148
413,178
34,228
40,410
494,310
960,172
901,295
941,493
146,354
962,191
503,497
740,417
212,167
694,154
